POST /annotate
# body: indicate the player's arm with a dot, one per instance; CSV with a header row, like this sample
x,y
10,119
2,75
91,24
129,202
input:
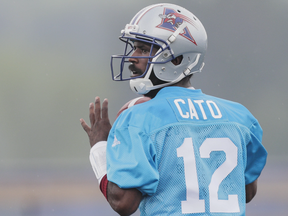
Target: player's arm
x,y
251,190
123,201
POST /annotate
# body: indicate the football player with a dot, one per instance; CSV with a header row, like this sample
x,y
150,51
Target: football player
x,y
183,152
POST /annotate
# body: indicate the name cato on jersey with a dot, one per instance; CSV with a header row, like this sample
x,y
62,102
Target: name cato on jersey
x,y
197,109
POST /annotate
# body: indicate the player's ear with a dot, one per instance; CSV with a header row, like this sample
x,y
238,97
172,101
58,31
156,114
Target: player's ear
x,y
177,60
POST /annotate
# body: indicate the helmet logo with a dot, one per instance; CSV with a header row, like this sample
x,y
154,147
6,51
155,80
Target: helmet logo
x,y
171,20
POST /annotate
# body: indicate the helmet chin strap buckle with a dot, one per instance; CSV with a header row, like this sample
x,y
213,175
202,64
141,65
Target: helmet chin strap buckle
x,y
173,37
191,66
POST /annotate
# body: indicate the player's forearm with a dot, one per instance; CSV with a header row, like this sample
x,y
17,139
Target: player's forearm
x,y
251,190
123,201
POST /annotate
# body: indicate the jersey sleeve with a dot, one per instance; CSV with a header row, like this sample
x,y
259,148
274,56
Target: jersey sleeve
x,y
256,154
131,159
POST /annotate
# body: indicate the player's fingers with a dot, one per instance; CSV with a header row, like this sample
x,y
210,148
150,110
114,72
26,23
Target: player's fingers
x,y
91,114
105,109
97,109
85,126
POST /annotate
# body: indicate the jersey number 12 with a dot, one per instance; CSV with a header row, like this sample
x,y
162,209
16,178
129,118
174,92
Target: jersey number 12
x,y
193,204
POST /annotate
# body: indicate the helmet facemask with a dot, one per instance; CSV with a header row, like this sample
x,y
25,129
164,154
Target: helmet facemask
x,y
122,61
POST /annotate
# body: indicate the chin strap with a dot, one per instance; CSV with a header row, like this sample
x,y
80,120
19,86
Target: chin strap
x,y
191,66
173,37
143,86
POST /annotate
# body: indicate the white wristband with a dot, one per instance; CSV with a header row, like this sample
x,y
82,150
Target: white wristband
x,y
98,159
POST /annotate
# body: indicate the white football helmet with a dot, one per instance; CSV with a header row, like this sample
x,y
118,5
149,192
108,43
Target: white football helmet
x,y
177,32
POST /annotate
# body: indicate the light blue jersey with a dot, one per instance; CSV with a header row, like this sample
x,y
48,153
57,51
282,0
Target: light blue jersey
x,y
187,152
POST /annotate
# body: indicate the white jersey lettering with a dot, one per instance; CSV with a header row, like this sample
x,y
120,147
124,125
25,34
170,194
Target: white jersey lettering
x,y
196,107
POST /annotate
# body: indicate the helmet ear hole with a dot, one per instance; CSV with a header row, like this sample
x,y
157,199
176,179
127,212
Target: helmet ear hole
x,y
177,60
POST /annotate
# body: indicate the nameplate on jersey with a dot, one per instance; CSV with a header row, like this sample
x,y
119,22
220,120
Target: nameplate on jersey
x,y
187,109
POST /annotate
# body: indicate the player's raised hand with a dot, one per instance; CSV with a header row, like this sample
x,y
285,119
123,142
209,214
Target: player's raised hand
x,y
99,121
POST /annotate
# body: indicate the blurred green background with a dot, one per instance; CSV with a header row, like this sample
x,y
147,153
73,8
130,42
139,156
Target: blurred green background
x,y
54,60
